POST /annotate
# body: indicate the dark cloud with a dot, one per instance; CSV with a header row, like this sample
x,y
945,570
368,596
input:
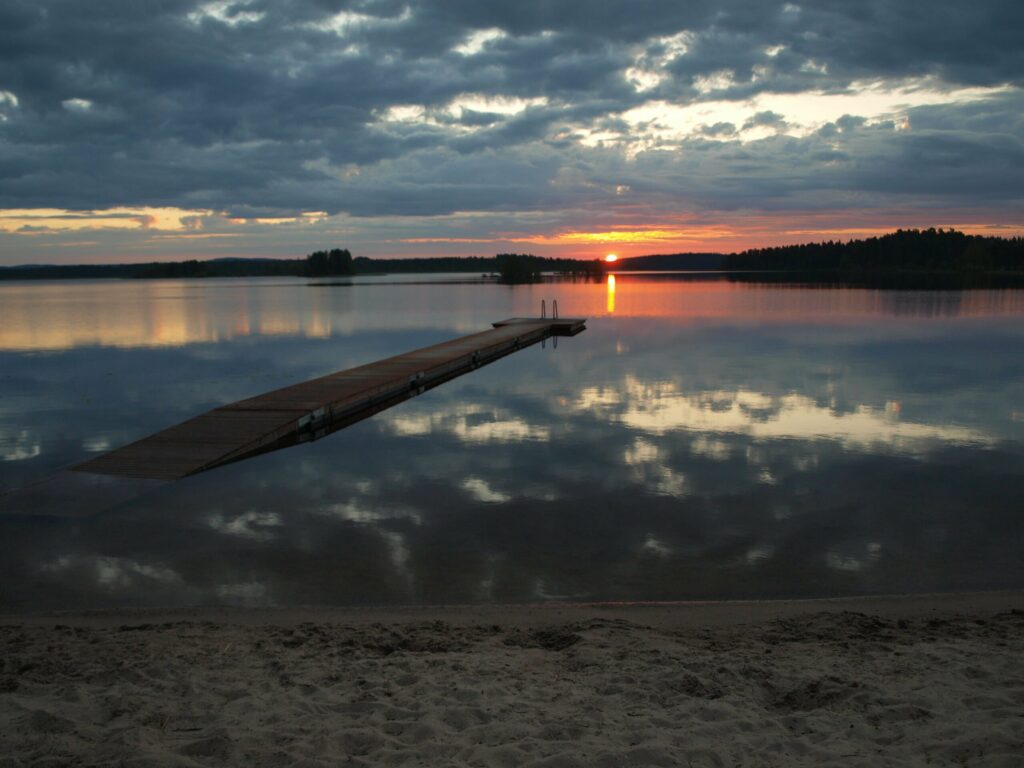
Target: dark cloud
x,y
719,129
279,107
766,119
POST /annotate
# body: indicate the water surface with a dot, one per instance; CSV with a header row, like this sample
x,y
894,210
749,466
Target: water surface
x,y
701,440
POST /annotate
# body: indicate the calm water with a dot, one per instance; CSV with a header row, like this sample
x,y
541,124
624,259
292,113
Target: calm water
x,y
700,440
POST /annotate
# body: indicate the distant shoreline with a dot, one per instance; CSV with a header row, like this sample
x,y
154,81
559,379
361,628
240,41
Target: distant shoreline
x,y
671,613
875,279
915,258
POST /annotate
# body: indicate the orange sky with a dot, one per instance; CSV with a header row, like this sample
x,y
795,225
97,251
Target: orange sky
x,y
168,234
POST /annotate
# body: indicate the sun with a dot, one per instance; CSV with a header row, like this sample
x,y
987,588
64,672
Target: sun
x,y
611,257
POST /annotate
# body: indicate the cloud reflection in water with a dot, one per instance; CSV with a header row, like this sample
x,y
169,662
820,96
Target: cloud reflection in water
x,y
702,455
658,407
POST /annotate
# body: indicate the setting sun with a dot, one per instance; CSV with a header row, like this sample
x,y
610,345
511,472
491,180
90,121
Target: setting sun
x,y
611,257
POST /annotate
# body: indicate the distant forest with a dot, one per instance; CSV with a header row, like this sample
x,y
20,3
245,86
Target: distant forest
x,y
337,262
192,268
672,261
904,252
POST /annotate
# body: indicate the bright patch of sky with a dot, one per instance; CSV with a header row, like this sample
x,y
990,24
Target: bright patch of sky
x,y
181,223
347,22
716,81
226,12
648,67
8,102
478,40
31,220
309,217
458,108
77,105
502,105
476,102
660,123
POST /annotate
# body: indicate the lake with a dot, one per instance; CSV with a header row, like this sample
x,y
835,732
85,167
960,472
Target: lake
x,y
702,440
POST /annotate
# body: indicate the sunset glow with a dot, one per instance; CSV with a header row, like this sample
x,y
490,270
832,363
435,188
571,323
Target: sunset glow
x,y
642,235
667,135
611,257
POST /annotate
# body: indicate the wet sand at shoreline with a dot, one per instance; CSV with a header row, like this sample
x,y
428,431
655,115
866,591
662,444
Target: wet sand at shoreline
x,y
866,681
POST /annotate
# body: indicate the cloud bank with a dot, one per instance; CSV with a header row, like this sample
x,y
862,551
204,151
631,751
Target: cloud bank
x,y
389,124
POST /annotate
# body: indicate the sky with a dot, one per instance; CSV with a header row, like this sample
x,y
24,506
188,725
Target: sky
x,y
154,130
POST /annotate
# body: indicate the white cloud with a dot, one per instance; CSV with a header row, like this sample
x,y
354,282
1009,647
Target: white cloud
x,y
360,512
258,526
655,547
345,23
77,105
113,573
35,220
657,408
7,101
648,69
477,40
98,444
503,105
717,450
471,424
20,446
662,123
479,489
716,81
649,466
226,12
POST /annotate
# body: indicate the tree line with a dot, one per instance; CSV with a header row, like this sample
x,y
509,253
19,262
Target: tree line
x,y
905,250
336,262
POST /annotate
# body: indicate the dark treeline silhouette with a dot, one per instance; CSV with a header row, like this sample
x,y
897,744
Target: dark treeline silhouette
x,y
479,264
334,262
366,265
669,261
337,261
514,268
906,250
191,268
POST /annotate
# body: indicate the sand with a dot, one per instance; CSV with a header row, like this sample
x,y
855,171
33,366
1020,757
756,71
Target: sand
x,y
911,681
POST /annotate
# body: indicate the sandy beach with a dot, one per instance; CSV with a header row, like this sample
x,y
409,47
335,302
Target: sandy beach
x,y
935,680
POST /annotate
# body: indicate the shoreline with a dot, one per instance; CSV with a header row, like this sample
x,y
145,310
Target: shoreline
x,y
669,614
890,681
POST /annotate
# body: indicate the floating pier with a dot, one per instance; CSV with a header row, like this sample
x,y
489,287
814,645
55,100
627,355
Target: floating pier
x,y
315,408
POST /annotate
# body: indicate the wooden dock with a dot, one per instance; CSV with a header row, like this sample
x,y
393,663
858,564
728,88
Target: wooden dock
x,y
317,407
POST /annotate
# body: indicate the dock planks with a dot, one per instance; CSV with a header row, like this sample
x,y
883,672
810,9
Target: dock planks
x,y
313,408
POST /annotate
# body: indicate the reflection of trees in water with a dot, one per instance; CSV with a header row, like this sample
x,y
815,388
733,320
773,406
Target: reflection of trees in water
x,y
927,297
952,303
923,303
